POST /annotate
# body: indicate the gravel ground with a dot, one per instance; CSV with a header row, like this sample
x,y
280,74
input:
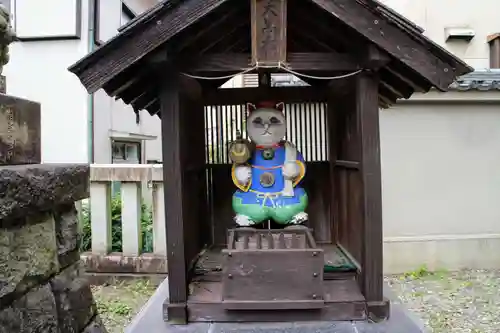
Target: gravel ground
x,y
466,301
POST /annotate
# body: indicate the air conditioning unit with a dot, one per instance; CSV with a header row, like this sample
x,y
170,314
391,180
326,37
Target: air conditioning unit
x,y
459,33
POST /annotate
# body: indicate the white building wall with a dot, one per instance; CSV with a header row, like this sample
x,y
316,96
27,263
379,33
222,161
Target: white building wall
x,y
38,71
111,115
434,16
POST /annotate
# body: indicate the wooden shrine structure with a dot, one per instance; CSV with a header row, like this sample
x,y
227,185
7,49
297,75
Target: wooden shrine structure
x,y
355,57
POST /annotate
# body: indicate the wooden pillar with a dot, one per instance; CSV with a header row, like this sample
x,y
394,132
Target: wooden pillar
x,y
332,142
172,148
367,112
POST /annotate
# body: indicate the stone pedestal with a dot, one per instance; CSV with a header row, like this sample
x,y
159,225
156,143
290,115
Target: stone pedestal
x,y
19,131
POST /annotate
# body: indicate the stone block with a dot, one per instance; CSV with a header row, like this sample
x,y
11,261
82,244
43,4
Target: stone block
x,y
66,218
75,304
35,312
20,141
146,263
41,187
28,256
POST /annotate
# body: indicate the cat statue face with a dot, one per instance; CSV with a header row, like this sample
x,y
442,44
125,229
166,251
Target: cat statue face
x,y
266,123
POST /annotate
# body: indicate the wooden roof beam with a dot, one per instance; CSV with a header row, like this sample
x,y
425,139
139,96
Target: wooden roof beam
x,y
333,32
311,41
228,34
236,62
418,87
195,38
235,96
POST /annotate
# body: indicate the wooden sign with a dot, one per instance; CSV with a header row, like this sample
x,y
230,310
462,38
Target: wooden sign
x,y
268,32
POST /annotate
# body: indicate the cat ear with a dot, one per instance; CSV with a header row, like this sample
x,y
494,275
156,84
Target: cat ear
x,y
250,108
280,106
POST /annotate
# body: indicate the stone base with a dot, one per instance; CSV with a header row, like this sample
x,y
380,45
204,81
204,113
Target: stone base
x,y
150,320
117,263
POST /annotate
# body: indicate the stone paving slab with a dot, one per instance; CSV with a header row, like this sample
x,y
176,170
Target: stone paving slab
x,y
150,320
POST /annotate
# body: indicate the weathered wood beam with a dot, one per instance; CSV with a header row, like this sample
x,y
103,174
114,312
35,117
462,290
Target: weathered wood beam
x,y
114,90
329,30
174,193
375,58
236,96
237,41
418,87
139,102
391,39
190,40
269,23
235,62
227,34
367,115
312,41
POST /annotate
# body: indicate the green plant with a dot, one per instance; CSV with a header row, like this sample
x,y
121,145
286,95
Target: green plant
x,y
423,271
116,227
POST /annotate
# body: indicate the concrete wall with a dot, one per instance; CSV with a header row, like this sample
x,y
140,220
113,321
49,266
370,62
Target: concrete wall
x,y
434,16
441,181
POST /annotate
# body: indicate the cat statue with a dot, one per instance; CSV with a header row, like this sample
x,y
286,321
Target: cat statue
x,y
268,181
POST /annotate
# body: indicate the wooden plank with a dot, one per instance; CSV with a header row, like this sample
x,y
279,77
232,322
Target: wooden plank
x,y
367,113
343,301
236,62
347,164
273,305
238,96
269,22
120,53
259,275
174,198
393,40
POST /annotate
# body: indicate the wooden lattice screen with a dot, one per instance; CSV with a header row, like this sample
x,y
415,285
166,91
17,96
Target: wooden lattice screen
x,y
306,128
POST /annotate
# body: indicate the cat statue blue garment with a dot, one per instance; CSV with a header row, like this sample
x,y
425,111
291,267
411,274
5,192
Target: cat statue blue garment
x,y
269,182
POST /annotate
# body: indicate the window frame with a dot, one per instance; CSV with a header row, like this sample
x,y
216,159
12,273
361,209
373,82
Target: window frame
x,y
125,143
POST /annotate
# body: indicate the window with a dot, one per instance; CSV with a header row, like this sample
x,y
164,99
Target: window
x,y
126,152
104,28
494,41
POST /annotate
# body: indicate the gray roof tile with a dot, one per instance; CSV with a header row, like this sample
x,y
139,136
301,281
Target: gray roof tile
x,y
482,80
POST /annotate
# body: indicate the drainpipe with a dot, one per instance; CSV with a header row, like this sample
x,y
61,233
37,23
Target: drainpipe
x,y
90,100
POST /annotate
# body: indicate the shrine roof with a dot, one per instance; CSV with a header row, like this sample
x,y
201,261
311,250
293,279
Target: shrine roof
x,y
126,66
